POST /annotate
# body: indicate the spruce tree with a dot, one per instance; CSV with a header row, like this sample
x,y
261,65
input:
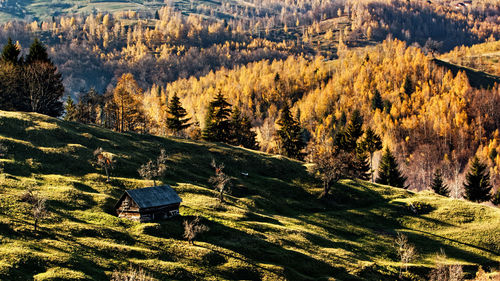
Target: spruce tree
x,y
388,171
289,135
43,83
361,164
241,130
175,115
477,182
352,132
37,52
437,184
71,110
377,101
371,143
10,53
217,125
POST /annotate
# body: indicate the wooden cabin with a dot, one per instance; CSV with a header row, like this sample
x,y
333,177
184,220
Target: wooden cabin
x,y
148,204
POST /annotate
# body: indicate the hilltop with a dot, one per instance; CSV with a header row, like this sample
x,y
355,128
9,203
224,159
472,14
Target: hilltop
x,y
272,226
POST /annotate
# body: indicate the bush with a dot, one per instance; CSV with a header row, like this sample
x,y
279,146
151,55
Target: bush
x,y
420,208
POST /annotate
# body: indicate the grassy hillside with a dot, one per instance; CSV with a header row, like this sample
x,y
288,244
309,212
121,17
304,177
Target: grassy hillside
x,y
272,227
45,9
477,79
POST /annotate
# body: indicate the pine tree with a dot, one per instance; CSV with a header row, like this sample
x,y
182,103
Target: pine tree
x,y
241,130
10,53
388,171
361,164
408,86
71,110
289,135
352,132
477,182
437,184
176,113
377,101
43,83
217,125
371,143
38,52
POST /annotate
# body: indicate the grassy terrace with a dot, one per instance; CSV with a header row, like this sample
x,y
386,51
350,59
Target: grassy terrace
x,y
272,227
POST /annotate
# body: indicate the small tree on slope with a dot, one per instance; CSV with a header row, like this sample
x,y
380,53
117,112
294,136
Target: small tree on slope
x,y
437,184
388,171
477,182
176,121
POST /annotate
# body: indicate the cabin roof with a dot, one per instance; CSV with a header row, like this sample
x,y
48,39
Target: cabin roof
x,y
153,196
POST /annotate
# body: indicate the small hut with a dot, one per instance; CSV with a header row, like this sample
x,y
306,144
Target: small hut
x,y
148,204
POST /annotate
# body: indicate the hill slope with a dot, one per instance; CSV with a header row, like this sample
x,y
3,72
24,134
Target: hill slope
x,y
271,228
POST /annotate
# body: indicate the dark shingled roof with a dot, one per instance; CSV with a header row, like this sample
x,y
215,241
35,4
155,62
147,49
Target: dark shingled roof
x,y
154,196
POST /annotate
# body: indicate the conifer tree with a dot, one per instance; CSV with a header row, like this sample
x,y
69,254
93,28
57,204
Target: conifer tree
x,y
71,110
241,130
371,143
217,125
361,164
176,113
10,53
437,184
377,101
477,182
289,135
388,171
352,132
43,83
38,52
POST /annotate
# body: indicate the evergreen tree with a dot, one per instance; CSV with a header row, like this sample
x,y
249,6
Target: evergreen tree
x,y
11,53
38,52
71,110
371,143
217,125
176,113
289,135
352,132
477,182
241,130
377,101
408,86
437,184
361,164
43,83
388,171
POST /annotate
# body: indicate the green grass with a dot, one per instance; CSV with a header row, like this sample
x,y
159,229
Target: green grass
x,y
273,226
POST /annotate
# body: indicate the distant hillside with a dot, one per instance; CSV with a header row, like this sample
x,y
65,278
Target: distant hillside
x,y
272,227
477,79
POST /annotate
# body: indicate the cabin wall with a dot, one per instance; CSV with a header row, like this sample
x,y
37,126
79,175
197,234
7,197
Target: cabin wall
x,y
146,215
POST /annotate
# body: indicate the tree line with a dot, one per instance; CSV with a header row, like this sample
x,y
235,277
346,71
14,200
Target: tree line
x,y
31,83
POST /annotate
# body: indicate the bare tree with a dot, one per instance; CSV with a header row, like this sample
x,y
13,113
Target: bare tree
x,y
331,166
38,205
406,251
133,274
104,160
221,181
193,228
154,170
